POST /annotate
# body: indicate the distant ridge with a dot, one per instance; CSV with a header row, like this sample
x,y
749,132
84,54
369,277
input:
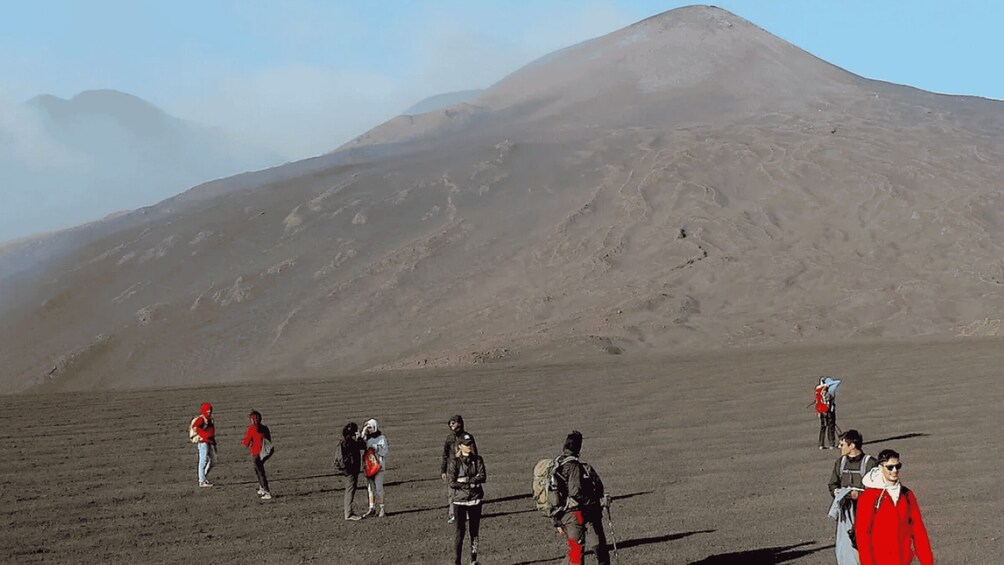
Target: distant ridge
x,y
440,101
102,151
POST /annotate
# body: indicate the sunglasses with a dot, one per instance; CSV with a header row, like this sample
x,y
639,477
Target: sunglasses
x,y
895,467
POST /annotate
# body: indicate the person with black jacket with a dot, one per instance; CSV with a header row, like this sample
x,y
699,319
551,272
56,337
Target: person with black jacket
x,y
466,474
580,491
845,485
349,464
450,452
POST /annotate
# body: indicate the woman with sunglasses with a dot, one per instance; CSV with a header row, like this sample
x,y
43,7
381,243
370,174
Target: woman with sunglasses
x,y
889,528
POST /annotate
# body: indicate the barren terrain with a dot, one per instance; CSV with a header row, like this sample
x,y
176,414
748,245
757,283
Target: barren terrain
x,y
712,458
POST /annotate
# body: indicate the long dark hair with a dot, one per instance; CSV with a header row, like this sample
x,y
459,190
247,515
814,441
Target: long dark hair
x,y
349,430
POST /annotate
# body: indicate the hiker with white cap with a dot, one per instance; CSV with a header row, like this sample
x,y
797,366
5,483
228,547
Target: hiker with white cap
x,y
374,464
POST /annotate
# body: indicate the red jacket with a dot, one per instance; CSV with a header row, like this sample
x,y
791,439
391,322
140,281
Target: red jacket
x,y
254,436
204,425
257,432
892,534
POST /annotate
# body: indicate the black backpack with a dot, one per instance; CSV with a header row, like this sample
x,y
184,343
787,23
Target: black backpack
x,y
590,484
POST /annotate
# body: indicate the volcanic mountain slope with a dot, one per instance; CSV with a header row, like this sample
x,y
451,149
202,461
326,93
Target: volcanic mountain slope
x,y
687,182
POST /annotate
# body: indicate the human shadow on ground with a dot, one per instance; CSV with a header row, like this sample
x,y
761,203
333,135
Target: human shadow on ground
x,y
894,438
765,556
362,480
509,498
529,510
626,544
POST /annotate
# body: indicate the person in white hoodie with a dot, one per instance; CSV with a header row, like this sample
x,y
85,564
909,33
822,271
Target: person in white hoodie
x,y
376,449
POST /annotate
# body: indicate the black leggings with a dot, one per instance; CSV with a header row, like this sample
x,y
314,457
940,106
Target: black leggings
x,y
828,428
463,514
259,469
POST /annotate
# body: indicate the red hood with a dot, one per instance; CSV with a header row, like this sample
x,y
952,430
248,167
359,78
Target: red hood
x,y
206,407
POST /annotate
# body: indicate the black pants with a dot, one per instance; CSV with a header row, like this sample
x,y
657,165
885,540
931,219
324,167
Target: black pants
x,y
828,428
259,469
463,515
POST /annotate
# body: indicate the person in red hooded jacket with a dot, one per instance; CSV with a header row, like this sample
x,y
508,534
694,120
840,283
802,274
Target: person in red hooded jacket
x,y
888,525
205,430
254,439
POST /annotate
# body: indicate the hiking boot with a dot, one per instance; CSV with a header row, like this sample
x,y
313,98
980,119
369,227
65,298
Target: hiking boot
x,y
370,513
266,496
353,517
205,484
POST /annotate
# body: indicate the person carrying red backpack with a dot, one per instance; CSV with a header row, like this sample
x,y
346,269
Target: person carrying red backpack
x,y
826,408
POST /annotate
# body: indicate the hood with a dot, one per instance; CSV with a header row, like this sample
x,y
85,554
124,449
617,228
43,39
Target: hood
x,y
874,479
372,424
206,407
349,430
573,443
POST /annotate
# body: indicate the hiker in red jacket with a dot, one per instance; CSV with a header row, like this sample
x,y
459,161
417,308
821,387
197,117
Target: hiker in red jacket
x,y
205,430
889,528
257,437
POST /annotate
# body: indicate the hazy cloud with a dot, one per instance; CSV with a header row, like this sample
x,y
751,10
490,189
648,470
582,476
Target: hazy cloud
x,y
304,80
324,99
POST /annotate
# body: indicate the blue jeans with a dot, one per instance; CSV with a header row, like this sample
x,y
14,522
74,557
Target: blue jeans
x,y
207,454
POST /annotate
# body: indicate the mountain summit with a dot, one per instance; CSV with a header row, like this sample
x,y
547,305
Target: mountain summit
x,y
689,182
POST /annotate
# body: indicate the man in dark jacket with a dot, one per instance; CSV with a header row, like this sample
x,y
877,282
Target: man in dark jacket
x,y
580,491
451,449
349,464
845,484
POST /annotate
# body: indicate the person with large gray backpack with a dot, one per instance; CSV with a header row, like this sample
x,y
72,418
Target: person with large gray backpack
x,y
570,492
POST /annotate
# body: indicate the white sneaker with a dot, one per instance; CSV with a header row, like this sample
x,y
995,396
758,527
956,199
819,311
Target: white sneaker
x,y
260,491
266,496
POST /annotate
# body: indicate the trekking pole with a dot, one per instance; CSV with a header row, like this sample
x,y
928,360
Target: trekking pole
x,y
610,520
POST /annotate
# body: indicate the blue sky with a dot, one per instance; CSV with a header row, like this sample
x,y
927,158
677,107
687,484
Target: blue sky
x,y
305,76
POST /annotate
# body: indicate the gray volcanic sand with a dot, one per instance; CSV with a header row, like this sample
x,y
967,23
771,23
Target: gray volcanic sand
x,y
712,457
